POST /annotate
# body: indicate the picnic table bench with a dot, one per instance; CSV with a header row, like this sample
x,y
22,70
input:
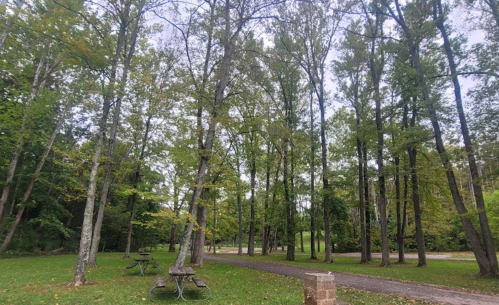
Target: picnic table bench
x,y
142,252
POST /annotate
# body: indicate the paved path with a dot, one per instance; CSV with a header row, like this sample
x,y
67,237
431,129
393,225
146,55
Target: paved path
x,y
428,293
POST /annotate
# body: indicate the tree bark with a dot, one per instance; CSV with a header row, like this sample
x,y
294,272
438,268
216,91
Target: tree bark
x,y
266,231
173,237
251,238
200,236
313,214
86,229
494,7
412,152
403,223
239,210
290,238
367,205
362,209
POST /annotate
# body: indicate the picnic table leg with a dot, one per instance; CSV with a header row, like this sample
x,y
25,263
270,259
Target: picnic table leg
x,y
181,281
143,267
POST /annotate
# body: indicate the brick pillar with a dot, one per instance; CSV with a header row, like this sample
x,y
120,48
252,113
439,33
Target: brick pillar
x,y
319,289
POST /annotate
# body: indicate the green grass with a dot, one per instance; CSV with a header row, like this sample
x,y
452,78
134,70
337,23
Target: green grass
x,y
44,280
450,273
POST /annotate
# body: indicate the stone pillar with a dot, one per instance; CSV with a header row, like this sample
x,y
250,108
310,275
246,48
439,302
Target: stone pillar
x,y
319,289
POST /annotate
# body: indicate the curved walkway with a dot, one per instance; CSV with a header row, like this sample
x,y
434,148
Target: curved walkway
x,y
423,292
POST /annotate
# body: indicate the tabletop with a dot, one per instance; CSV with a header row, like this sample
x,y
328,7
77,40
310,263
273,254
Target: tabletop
x,y
175,271
142,259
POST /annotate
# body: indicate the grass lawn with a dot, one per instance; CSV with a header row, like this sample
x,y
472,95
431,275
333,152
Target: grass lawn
x,y
45,279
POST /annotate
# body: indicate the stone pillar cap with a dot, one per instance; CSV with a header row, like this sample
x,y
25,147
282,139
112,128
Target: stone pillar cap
x,y
319,276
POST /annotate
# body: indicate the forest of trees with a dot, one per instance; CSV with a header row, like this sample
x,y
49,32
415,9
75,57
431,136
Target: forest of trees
x,y
370,125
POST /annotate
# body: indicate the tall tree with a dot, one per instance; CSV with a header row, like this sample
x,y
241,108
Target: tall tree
x,y
129,18
349,70
288,81
151,91
398,16
245,12
109,94
376,66
312,31
412,136
440,17
201,81
313,214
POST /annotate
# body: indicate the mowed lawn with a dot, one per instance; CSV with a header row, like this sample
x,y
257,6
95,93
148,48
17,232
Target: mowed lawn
x,y
46,279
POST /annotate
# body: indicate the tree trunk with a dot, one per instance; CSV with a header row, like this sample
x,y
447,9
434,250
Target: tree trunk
x,y
494,7
86,229
362,209
475,177
200,236
412,152
131,203
403,224
328,258
214,235
239,211
366,204
290,238
173,238
302,245
266,230
251,238
313,214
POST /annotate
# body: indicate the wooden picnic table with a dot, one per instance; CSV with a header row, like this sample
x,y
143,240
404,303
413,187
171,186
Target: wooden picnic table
x,y
181,276
142,262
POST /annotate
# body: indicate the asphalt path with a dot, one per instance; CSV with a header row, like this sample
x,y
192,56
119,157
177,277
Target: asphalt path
x,y
423,292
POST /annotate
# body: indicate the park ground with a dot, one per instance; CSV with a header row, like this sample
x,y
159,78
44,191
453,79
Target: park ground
x,y
244,280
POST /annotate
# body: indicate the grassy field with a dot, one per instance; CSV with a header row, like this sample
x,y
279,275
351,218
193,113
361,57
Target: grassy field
x,y
45,280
